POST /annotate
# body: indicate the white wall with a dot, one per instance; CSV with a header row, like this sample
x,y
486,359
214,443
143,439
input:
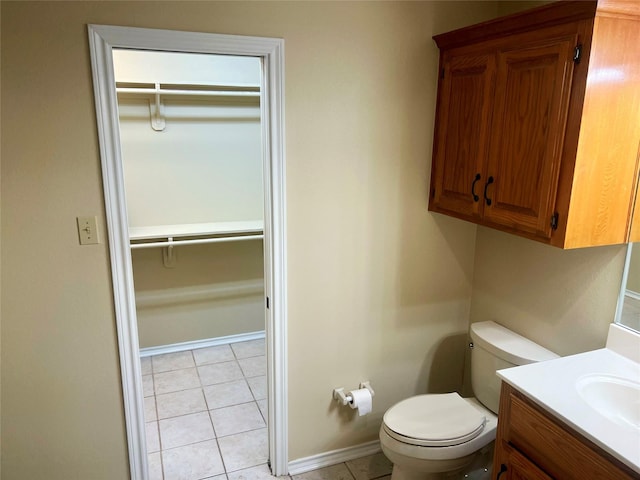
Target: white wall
x,y
185,68
206,164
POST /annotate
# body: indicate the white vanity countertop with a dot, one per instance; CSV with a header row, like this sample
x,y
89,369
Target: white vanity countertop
x,y
552,385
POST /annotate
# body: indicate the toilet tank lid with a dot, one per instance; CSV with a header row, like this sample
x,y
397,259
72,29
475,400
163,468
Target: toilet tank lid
x,y
508,345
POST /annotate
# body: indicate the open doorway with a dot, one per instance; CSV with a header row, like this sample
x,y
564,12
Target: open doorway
x,y
190,136
196,232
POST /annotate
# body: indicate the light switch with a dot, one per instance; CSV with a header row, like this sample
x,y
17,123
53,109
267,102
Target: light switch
x,y
88,230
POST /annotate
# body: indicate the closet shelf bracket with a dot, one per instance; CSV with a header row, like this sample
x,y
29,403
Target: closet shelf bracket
x,y
168,255
156,109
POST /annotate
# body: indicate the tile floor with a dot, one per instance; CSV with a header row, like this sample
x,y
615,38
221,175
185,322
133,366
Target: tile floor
x,y
205,413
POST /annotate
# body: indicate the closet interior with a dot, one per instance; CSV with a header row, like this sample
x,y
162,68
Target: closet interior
x,y
190,133
192,166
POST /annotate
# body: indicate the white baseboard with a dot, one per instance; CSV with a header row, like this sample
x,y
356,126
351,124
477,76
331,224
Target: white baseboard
x,y
208,342
333,457
632,294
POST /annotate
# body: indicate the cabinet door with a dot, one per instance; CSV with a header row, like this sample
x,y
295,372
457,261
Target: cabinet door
x,y
518,467
462,126
533,88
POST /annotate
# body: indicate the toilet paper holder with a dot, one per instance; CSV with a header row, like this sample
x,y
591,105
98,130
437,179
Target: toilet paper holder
x,y
340,396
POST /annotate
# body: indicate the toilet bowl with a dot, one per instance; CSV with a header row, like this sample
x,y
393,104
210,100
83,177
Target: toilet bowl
x,y
436,436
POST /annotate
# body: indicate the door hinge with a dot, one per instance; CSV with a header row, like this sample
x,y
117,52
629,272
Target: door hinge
x,y
577,53
554,221
267,302
442,73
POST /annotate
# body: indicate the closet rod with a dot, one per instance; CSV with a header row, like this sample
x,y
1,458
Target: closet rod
x,y
175,243
216,93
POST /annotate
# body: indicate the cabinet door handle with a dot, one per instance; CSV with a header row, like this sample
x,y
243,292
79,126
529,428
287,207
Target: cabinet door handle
x,y
503,468
473,188
486,186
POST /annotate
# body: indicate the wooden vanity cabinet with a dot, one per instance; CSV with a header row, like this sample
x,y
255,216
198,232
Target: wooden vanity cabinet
x,y
533,445
538,123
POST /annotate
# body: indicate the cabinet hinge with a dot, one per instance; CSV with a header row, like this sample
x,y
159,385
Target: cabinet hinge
x,y
267,302
554,221
577,53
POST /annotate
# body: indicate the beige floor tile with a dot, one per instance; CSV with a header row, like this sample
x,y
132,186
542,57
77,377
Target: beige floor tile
x,y
150,409
186,429
217,354
335,472
153,441
219,373
192,462
373,466
236,419
244,450
261,472
147,385
180,403
252,348
172,361
226,394
145,366
176,380
262,405
154,463
258,386
253,366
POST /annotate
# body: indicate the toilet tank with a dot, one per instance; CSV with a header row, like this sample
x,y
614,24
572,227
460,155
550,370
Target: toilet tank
x,y
496,347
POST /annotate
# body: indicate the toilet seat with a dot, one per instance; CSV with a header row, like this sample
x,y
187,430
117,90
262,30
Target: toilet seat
x,y
436,420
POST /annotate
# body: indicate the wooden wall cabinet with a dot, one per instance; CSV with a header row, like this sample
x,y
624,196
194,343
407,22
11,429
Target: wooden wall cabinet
x,y
533,445
538,123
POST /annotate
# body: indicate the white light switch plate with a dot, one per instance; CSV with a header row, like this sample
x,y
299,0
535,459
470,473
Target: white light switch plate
x,y
88,230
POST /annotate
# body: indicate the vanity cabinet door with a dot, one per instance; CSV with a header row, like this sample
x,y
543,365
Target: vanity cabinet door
x,y
465,97
518,467
532,100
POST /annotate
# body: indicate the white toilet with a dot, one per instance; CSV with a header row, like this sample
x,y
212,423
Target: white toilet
x,y
436,436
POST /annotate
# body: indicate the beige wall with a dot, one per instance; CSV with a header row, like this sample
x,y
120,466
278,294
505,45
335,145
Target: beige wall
x,y
381,288
377,285
213,291
563,300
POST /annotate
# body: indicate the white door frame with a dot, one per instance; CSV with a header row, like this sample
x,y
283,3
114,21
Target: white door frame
x,y
102,40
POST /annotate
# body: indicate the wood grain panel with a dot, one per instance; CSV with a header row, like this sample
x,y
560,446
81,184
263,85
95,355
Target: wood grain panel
x,y
555,449
559,139
606,163
634,229
532,99
521,468
461,137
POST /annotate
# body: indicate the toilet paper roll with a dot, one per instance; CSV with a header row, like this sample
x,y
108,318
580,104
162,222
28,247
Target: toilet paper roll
x,y
362,400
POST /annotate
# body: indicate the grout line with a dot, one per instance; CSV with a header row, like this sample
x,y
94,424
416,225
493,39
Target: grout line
x,y
215,433
224,465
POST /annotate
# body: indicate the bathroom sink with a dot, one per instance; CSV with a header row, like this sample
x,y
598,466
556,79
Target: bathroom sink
x,y
616,398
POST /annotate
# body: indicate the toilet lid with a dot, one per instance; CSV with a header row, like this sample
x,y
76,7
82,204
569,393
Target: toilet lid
x,y
434,420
